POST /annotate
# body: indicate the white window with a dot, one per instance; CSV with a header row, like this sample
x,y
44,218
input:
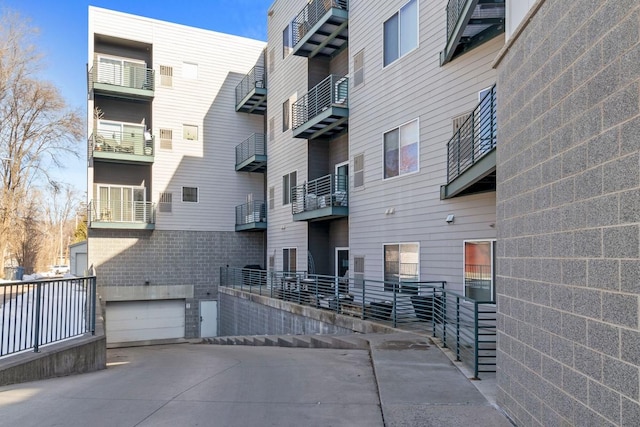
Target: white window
x,y
288,182
401,150
189,71
287,40
286,116
401,264
190,194
289,256
479,274
401,32
190,132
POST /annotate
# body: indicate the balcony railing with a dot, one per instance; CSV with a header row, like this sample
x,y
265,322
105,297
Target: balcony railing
x,y
128,79
251,154
471,23
464,325
320,28
325,197
474,139
251,216
251,92
122,214
124,146
324,110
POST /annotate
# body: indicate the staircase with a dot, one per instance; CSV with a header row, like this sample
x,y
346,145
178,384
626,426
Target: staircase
x,y
345,342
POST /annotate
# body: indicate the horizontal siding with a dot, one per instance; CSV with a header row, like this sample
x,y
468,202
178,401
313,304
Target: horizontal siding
x,y
415,86
208,103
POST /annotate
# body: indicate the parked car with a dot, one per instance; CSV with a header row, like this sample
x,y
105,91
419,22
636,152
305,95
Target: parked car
x,y
60,269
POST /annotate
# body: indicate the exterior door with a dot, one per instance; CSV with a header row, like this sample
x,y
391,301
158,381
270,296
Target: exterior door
x,y
342,176
208,319
342,261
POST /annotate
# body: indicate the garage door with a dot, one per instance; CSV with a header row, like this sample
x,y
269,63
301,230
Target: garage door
x,y
144,320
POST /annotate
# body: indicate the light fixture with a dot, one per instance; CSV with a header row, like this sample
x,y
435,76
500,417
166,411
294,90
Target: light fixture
x,y
450,218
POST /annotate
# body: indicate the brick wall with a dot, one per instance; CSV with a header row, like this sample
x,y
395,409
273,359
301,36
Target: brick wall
x,y
568,207
132,258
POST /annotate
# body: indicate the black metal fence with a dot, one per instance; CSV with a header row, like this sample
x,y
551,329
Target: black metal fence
x,y
465,326
36,313
255,79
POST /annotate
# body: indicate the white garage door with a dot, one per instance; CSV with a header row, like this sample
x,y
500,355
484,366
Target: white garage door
x,y
144,320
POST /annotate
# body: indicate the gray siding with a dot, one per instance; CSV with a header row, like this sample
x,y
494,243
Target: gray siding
x,y
568,204
415,86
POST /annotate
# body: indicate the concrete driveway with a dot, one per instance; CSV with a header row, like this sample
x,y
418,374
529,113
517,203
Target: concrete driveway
x,y
205,385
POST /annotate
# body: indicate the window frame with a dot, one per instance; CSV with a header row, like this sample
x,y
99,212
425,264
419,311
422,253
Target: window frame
x,y
186,126
384,160
182,194
492,247
399,38
287,40
287,201
288,258
388,284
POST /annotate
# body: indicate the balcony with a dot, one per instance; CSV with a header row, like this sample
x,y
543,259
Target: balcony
x,y
122,214
251,155
322,199
122,146
323,111
251,92
471,23
320,29
121,79
251,216
471,153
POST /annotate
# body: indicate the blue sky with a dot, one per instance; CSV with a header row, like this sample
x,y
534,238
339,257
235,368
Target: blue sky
x,y
63,40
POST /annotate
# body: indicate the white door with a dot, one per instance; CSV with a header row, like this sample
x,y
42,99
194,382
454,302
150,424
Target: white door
x,y
208,319
129,321
81,264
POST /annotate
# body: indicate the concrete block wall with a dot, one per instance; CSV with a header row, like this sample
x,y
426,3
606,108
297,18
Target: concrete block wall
x,y
168,258
568,216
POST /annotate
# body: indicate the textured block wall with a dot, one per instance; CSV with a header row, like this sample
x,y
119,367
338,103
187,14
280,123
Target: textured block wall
x,y
131,258
568,207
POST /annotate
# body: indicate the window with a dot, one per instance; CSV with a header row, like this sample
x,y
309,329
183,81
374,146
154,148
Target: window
x,y
401,264
190,132
190,194
485,121
358,170
479,274
189,71
288,182
166,76
358,272
286,116
287,40
358,68
271,60
166,139
272,131
401,154
165,203
121,204
122,72
289,259
401,32
272,197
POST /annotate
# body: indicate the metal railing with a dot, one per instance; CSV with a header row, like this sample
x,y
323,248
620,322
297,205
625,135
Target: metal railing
x,y
256,78
130,211
252,146
36,313
465,326
122,74
332,91
454,9
135,143
311,14
251,212
329,190
475,137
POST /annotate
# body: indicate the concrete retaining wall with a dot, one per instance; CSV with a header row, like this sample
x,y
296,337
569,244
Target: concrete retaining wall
x,y
242,313
87,353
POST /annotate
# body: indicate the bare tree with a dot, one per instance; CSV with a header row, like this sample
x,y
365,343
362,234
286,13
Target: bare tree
x,y
37,129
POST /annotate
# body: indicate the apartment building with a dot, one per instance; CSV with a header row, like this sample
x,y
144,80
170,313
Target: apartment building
x,y
568,205
163,185
381,139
